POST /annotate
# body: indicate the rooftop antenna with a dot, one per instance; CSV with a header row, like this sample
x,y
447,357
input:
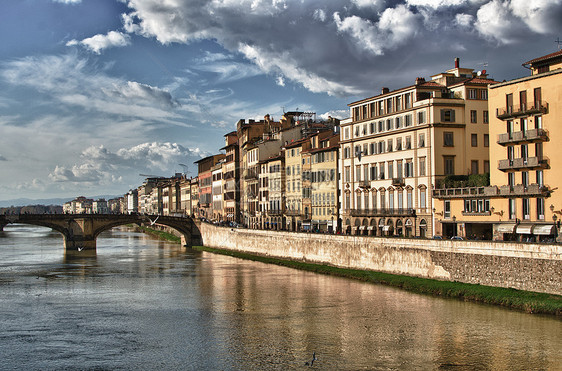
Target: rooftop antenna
x,y
559,42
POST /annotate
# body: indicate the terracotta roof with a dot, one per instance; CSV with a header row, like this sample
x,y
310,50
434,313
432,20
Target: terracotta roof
x,y
545,57
430,83
296,143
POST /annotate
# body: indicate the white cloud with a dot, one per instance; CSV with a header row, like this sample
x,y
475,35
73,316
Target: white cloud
x,y
68,1
464,20
280,81
100,42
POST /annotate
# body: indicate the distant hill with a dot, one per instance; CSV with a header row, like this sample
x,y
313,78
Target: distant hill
x,y
46,201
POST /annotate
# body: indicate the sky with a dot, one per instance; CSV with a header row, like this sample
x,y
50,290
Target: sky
x,y
94,93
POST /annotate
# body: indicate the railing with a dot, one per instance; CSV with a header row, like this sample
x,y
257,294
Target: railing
x,y
465,192
398,181
250,174
523,163
521,190
532,135
275,212
293,212
521,110
383,212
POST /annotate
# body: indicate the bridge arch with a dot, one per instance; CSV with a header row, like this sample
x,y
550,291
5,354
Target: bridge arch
x,y
81,230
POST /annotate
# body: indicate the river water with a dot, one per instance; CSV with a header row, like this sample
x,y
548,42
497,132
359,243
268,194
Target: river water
x,y
144,304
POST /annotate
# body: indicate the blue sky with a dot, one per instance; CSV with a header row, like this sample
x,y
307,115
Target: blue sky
x,y
95,92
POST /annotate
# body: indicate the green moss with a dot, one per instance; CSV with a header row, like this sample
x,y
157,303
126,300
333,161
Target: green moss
x,y
160,234
531,302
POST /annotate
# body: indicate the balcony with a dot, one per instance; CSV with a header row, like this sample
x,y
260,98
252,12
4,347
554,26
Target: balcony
x,y
519,190
398,182
528,163
250,174
274,212
465,192
293,212
364,184
528,136
383,212
521,110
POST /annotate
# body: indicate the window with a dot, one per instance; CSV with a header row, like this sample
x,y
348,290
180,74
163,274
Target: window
x,y
421,142
448,139
409,169
537,96
473,116
347,174
449,165
525,178
523,100
398,122
421,117
447,209
374,172
486,166
512,209
358,201
390,169
474,167
358,173
409,200
372,128
400,200
526,208
472,93
485,117
381,170
398,144
511,179
474,140
539,177
486,140
346,133
389,145
447,115
388,124
422,198
381,125
408,120
540,208
373,150
483,94
421,166
408,142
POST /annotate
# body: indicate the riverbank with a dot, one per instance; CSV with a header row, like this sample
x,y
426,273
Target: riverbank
x,y
530,302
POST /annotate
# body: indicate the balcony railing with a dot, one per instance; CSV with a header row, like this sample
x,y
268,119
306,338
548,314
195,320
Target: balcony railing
x,y
465,192
398,181
364,184
530,136
524,191
383,212
274,212
523,163
250,174
521,110
293,212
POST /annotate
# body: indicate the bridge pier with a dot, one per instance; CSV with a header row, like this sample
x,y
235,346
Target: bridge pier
x,y
79,243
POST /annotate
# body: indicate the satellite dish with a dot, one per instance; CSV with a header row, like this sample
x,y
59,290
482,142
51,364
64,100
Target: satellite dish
x,y
479,73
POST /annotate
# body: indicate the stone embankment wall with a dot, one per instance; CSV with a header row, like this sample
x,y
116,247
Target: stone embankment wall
x,y
530,267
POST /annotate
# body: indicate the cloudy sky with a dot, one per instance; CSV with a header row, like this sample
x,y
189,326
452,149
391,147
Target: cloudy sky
x,y
95,92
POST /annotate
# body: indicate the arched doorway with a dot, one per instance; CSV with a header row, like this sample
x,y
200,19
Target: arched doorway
x,y
356,227
408,230
399,229
373,227
389,227
364,227
423,228
347,226
381,227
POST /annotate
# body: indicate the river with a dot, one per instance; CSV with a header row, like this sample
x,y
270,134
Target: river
x,y
145,304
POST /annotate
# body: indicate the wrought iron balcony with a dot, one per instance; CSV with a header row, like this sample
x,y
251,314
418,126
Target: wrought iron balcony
x,y
527,136
521,110
250,174
523,163
382,212
398,181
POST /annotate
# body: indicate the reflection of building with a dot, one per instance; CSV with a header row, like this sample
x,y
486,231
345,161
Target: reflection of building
x,y
400,143
522,203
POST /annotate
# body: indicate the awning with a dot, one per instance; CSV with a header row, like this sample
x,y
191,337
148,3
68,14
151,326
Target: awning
x,y
408,223
506,228
229,215
543,229
386,228
524,228
370,227
361,227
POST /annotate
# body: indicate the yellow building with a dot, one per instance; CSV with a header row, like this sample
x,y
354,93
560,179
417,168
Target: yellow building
x,y
400,144
522,202
323,177
294,211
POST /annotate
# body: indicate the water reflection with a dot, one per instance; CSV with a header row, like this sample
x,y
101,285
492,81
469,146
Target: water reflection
x,y
146,304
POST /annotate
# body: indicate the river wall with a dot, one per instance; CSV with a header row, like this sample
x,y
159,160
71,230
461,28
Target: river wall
x,y
530,267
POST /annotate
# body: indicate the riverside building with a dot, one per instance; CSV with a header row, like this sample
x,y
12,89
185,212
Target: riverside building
x,y
399,144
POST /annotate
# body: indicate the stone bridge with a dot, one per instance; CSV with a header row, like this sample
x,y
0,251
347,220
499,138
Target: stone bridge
x,y
81,230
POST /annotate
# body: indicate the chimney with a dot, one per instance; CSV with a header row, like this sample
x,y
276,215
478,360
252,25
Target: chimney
x,y
385,90
456,62
420,80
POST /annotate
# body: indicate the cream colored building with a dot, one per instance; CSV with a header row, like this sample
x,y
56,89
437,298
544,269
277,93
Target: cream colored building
x,y
400,144
293,185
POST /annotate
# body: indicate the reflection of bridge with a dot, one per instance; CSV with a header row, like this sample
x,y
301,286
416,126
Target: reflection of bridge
x,y
81,230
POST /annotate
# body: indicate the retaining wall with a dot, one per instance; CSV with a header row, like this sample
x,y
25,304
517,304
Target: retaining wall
x,y
530,267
